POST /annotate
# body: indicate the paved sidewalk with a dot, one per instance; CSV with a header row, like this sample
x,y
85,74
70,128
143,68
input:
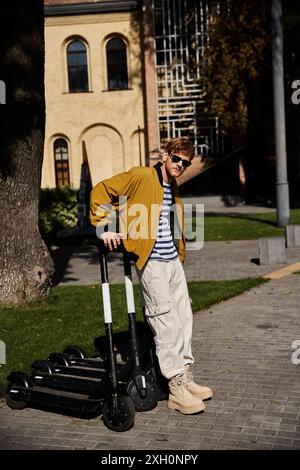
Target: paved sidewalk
x,y
78,265
243,351
216,261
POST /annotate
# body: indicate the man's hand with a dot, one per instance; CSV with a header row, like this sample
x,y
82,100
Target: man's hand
x,y
111,239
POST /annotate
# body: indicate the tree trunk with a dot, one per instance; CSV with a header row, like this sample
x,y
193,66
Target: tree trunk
x,y
25,264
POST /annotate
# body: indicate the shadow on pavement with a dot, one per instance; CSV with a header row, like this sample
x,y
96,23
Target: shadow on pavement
x,y
62,256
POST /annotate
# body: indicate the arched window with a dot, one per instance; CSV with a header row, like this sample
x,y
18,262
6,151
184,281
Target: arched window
x,y
116,64
61,159
77,67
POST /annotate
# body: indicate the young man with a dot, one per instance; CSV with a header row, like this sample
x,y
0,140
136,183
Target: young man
x,y
151,192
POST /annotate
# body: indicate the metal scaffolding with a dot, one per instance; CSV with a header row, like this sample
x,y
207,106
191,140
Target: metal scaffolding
x,y
181,38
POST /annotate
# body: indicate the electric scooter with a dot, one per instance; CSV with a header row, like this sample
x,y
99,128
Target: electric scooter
x,y
117,408
134,380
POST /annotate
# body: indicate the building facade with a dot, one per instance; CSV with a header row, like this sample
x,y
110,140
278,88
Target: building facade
x,y
180,32
94,90
122,77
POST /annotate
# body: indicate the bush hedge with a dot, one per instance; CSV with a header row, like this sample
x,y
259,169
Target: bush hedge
x,y
57,210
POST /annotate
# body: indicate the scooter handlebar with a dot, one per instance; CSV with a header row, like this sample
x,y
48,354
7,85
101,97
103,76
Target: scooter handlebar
x,y
97,241
104,249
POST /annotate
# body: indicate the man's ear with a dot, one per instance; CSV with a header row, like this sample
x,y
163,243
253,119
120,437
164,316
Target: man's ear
x,y
165,156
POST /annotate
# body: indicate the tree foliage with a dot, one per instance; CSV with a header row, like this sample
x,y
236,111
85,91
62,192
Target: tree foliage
x,y
238,36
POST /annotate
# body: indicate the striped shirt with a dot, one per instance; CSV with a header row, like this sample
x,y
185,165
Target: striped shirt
x,y
164,248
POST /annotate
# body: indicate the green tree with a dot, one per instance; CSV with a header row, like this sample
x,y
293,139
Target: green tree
x,y
238,36
25,264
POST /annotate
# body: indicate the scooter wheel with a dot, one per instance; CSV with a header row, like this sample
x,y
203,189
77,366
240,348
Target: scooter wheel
x,y
15,378
160,384
75,351
14,404
43,365
118,413
143,404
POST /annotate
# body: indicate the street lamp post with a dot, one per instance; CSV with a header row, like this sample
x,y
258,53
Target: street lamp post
x,y
282,185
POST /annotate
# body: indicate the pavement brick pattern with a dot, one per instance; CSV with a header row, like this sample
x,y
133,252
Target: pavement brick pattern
x,y
216,261
243,351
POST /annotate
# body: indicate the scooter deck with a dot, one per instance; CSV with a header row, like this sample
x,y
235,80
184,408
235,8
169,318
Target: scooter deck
x,y
67,382
80,371
61,399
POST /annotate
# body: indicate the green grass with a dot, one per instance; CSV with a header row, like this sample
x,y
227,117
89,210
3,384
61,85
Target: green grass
x,y
244,226
206,293
73,315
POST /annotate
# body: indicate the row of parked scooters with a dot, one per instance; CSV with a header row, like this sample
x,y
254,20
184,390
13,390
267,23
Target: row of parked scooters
x,y
72,383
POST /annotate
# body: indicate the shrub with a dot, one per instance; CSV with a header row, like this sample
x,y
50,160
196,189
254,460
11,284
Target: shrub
x,y
57,210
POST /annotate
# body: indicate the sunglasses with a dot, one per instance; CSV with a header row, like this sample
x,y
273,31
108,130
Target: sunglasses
x,y
177,159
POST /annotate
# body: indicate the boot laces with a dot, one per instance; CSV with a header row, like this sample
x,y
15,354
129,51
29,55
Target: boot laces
x,y
189,376
184,379
180,379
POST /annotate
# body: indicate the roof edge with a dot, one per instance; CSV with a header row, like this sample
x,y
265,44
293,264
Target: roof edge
x,y
90,8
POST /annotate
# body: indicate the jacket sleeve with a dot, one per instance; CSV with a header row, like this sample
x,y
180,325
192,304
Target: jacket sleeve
x,y
105,196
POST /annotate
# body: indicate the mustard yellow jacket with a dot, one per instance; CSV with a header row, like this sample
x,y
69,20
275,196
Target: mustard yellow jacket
x,y
143,187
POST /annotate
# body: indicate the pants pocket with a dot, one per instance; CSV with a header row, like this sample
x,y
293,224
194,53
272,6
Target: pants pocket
x,y
153,310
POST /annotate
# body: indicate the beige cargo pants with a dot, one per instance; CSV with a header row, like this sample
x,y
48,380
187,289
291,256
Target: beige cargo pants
x,y
168,311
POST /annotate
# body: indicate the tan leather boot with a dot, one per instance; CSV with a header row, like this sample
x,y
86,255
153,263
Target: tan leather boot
x,y
204,393
181,399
